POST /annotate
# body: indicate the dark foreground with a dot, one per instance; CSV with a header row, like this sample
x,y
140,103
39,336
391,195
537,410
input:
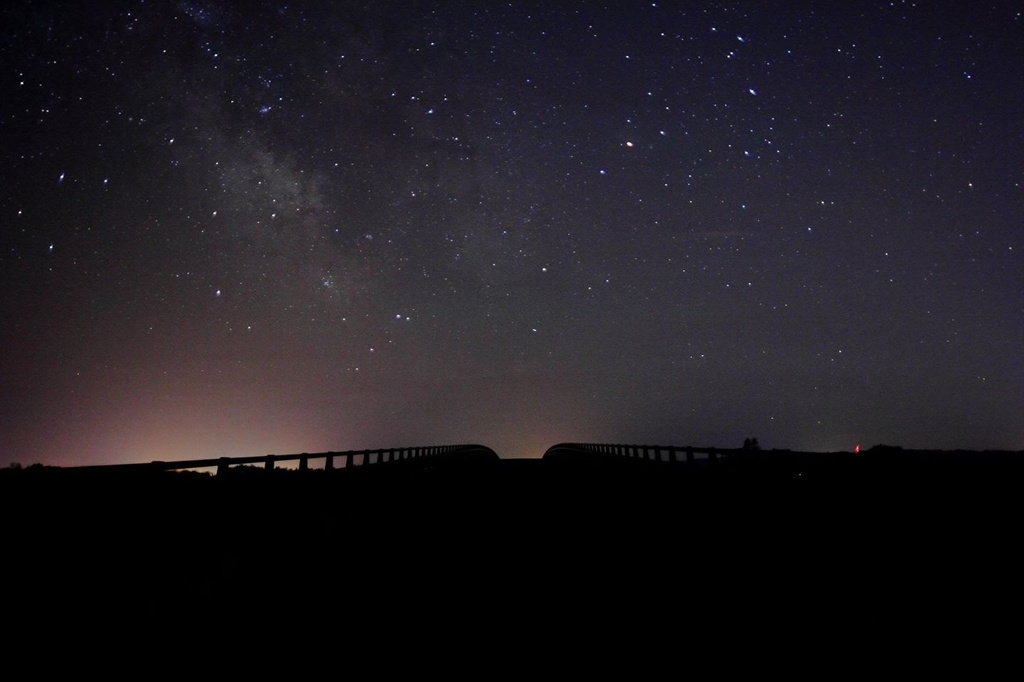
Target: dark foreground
x,y
583,557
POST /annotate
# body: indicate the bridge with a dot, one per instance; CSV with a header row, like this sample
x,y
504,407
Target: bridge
x,y
878,463
654,453
347,459
578,453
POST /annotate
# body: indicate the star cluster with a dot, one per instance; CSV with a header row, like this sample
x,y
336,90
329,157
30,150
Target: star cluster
x,y
230,230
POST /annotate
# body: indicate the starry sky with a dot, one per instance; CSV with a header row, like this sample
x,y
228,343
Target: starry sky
x,y
234,229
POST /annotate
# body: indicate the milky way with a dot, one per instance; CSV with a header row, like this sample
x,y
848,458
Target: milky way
x,y
322,226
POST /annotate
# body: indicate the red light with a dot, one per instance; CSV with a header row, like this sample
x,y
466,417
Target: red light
x,y
856,449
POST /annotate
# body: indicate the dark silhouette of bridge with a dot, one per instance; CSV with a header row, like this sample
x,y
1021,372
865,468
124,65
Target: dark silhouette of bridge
x,y
581,452
347,459
880,461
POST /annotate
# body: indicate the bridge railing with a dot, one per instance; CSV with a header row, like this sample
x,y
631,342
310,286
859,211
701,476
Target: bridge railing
x,y
656,453
346,459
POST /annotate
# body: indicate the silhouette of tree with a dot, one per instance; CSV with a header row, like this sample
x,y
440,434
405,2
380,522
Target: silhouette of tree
x,y
751,444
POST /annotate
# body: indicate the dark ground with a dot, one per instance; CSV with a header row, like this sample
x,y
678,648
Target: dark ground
x,y
775,552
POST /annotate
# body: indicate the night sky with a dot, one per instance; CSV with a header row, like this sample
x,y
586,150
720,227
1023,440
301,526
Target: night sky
x,y
315,226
